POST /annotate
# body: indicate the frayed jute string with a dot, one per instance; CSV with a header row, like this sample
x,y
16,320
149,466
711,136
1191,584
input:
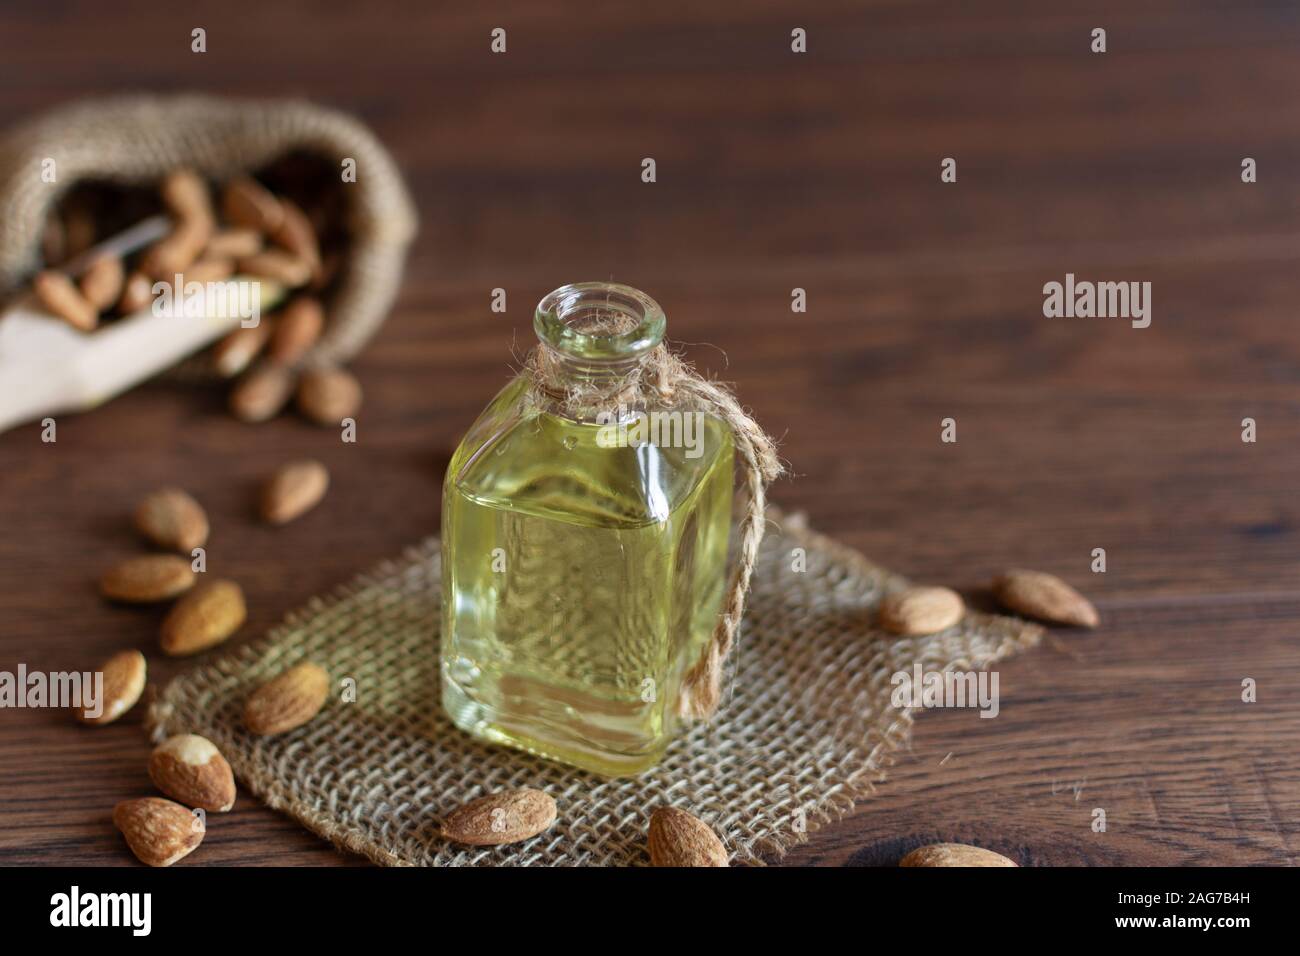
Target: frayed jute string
x,y
662,379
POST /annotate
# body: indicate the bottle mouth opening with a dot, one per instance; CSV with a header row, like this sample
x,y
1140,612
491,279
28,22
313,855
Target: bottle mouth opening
x,y
599,321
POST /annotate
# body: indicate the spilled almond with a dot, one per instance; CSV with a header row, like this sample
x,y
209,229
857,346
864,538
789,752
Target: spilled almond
x,y
954,854
203,618
190,769
146,579
171,519
288,701
921,610
1045,596
329,395
678,838
124,680
159,832
261,393
293,490
499,818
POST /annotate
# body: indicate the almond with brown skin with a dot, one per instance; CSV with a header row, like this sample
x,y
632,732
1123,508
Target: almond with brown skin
x,y
506,817
56,292
237,350
174,253
921,610
185,194
173,520
204,618
293,490
209,268
190,769
288,701
159,832
297,235
678,838
1044,596
261,393
124,679
137,293
954,854
147,579
283,267
234,243
329,395
246,202
101,283
297,331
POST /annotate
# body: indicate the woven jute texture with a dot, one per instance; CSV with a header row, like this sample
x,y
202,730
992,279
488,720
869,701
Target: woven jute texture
x,y
805,728
138,139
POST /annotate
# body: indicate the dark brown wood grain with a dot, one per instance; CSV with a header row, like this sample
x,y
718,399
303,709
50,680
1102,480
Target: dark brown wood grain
x,y
924,302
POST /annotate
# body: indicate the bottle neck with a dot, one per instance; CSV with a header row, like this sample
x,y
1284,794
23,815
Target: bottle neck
x,y
562,370
594,334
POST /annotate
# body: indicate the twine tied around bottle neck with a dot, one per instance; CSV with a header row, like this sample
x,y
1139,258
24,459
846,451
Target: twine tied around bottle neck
x,y
663,378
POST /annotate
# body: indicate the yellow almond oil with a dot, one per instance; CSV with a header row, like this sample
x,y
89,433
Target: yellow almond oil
x,y
581,577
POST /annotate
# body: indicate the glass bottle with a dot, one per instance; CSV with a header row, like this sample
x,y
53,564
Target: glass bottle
x,y
583,552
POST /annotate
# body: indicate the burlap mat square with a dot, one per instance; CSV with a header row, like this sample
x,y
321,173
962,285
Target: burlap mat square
x,y
806,727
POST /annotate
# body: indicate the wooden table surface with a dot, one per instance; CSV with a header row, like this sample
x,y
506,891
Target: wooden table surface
x,y
775,171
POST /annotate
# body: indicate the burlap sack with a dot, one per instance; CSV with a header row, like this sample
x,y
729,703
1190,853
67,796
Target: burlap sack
x,y
136,139
806,726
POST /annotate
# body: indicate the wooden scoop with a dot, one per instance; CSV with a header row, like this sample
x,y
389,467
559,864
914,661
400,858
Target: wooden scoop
x,y
48,367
